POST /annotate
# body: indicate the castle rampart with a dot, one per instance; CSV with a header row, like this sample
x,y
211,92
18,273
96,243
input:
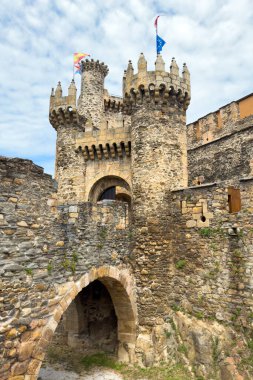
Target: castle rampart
x,y
230,118
220,144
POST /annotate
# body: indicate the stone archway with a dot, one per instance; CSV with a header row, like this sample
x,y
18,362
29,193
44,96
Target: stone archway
x,y
107,182
120,285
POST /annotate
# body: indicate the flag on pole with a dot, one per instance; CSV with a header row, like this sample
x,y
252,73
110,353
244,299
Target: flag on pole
x,y
156,22
159,41
77,62
159,44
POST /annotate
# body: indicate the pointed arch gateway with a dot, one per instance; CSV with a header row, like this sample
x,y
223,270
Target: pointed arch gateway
x,y
120,285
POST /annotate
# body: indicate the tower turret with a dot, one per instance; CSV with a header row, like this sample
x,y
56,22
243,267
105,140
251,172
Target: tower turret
x,y
157,104
68,165
91,100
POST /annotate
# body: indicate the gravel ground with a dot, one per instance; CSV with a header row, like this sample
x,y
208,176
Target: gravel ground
x,y
49,373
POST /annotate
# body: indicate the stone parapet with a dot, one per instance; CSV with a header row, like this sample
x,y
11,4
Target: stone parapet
x,y
158,87
231,118
58,101
91,65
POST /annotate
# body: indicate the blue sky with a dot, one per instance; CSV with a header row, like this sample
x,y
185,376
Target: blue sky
x,y
38,39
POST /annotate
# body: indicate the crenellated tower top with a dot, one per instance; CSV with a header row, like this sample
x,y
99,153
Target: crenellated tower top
x,y
91,65
157,85
58,101
62,108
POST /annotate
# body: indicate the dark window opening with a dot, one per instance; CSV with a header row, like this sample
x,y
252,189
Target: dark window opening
x,y
234,200
109,193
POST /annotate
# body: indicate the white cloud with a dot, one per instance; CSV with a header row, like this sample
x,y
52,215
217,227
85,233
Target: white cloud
x,y
39,37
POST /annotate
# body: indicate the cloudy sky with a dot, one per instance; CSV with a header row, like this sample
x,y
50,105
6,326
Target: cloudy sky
x,y
38,39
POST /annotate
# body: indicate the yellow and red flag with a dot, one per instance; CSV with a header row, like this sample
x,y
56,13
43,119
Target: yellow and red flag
x,y
77,59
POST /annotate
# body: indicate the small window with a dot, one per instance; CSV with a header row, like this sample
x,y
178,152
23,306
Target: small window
x,y
234,200
109,193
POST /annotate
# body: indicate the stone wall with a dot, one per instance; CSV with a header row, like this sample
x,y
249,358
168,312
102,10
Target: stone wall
x,y
227,120
210,274
228,158
44,249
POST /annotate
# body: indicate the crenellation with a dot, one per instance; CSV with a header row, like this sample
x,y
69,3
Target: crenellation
x,y
137,86
57,101
228,119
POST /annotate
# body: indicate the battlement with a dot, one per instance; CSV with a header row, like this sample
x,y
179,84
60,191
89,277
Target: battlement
x,y
113,103
91,65
58,101
157,84
227,120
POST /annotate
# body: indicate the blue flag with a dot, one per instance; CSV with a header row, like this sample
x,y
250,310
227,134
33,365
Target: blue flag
x,y
159,44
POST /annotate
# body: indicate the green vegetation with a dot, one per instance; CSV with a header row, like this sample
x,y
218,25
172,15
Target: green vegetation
x,y
168,333
100,360
49,267
215,349
250,345
103,233
29,271
199,315
182,348
205,232
75,361
70,264
180,264
175,307
208,232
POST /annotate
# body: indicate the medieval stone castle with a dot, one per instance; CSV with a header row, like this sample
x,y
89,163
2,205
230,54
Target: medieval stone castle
x,y
143,243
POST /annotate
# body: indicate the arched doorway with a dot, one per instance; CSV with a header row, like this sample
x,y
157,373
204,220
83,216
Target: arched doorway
x,y
120,286
90,322
110,188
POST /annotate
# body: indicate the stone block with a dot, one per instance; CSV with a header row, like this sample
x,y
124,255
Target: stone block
x,y
51,202
73,214
73,209
35,226
22,223
19,368
13,200
197,210
200,223
60,243
34,367
191,223
25,350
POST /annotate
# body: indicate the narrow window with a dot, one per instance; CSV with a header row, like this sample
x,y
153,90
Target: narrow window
x,y
234,200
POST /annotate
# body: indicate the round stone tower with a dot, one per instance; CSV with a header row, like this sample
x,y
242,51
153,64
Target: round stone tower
x,y
91,100
71,122
157,101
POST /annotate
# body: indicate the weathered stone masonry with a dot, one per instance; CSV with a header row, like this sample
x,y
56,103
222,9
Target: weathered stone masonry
x,y
177,261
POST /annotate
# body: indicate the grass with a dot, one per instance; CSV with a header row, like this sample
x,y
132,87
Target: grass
x,y
75,361
180,264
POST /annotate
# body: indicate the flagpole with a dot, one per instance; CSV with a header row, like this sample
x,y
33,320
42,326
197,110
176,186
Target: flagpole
x,y
156,28
156,36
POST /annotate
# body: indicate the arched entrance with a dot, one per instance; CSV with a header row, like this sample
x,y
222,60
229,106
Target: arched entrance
x,y
90,323
110,188
120,286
